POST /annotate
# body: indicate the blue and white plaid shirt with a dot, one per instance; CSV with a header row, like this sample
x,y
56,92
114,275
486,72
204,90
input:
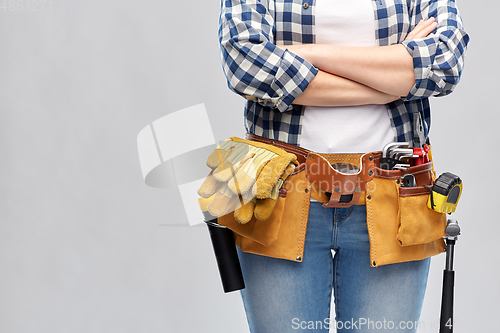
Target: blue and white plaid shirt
x,y
270,78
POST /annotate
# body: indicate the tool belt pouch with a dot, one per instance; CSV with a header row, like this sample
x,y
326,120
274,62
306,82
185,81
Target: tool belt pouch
x,y
400,225
418,224
282,234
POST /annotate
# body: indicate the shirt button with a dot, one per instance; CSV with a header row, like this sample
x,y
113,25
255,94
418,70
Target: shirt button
x,y
306,5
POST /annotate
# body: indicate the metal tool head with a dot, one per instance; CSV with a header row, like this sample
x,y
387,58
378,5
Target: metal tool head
x,y
401,166
400,151
401,156
388,147
418,130
408,181
452,228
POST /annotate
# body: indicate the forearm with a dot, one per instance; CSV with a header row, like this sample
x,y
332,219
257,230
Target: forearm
x,y
385,68
331,90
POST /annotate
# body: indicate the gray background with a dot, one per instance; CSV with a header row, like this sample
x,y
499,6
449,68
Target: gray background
x,y
83,241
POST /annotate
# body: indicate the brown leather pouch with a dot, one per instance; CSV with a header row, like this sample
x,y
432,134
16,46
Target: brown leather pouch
x,y
400,226
283,234
344,186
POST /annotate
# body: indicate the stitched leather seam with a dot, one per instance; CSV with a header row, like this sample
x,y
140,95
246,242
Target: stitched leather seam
x,y
373,250
301,229
341,155
329,159
399,176
412,194
301,238
418,172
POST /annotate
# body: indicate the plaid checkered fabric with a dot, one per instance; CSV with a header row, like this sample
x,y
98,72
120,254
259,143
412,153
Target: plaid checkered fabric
x,y
270,78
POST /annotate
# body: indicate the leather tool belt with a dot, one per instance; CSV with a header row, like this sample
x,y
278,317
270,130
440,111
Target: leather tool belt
x,y
400,226
341,178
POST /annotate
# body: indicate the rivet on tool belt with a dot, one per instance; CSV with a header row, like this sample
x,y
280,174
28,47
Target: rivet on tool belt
x,y
344,182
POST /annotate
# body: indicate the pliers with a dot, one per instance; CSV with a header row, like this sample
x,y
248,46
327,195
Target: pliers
x,y
421,148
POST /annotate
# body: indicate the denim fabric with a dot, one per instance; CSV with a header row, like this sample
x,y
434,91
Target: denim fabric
x,y
287,296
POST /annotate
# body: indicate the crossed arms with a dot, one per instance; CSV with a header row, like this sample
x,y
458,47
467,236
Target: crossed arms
x,y
359,75
277,76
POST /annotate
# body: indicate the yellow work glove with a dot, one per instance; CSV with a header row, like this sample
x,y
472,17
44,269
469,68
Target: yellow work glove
x,y
264,206
244,173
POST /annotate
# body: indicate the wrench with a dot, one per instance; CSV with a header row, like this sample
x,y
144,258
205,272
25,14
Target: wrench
x,y
400,156
393,145
388,163
400,151
401,167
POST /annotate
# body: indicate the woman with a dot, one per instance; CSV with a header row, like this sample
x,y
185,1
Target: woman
x,y
337,76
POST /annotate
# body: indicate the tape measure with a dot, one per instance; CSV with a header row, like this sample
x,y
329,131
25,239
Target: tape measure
x,y
445,193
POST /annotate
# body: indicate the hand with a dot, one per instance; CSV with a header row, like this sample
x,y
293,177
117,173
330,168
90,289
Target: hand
x,y
422,29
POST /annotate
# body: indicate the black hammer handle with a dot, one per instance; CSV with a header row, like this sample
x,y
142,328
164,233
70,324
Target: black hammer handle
x,y
226,256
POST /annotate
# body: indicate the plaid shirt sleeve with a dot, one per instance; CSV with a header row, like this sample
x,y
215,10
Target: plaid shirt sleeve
x,y
254,67
439,58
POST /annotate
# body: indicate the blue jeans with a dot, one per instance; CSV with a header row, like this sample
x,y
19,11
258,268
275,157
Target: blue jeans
x,y
287,296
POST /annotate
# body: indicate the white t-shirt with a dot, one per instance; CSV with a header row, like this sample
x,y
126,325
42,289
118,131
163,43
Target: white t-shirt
x,y
352,129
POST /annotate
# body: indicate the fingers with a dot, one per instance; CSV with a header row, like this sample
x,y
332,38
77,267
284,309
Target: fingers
x,y
423,29
427,30
417,31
